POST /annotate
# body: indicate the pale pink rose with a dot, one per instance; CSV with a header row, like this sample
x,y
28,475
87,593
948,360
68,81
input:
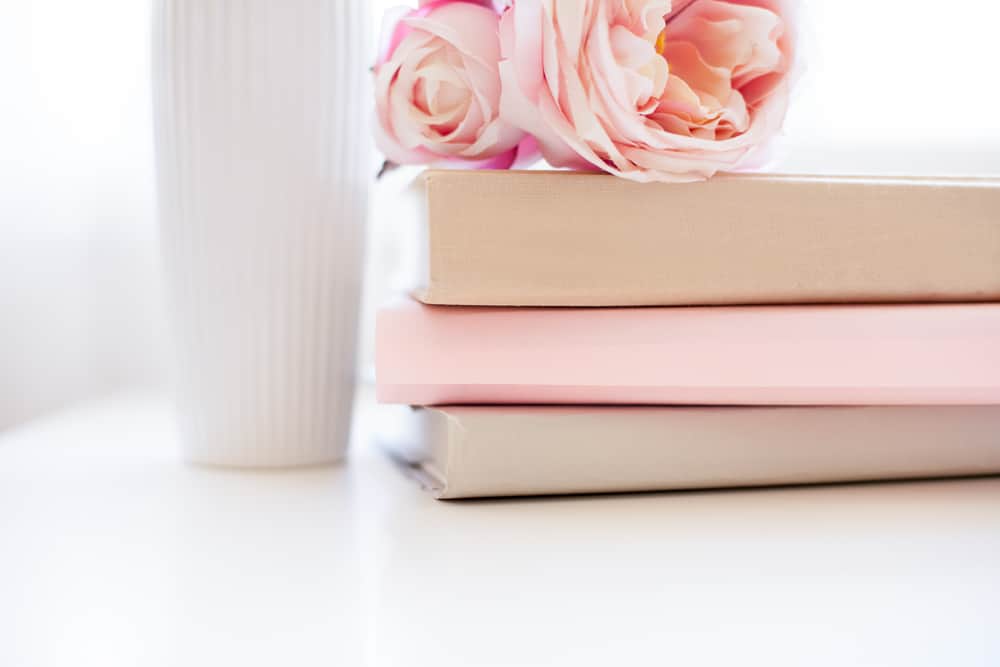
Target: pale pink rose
x,y
647,89
437,88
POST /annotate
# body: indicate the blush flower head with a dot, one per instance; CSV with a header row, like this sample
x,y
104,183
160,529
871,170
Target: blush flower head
x,y
437,87
650,90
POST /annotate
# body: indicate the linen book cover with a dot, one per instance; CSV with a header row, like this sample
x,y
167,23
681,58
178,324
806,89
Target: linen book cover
x,y
575,239
760,355
476,451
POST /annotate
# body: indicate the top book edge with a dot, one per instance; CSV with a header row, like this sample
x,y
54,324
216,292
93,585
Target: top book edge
x,y
558,238
518,174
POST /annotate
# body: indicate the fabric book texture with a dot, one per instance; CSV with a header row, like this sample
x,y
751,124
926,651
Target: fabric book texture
x,y
574,239
464,452
763,355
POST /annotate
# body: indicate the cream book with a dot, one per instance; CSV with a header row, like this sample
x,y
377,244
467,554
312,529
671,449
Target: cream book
x,y
467,452
574,239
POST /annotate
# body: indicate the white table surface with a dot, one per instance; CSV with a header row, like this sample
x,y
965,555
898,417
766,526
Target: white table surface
x,y
113,552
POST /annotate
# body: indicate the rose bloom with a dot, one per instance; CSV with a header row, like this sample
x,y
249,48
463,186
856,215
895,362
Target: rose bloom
x,y
647,89
437,88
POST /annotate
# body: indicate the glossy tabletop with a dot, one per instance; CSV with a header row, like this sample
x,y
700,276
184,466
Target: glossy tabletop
x,y
114,552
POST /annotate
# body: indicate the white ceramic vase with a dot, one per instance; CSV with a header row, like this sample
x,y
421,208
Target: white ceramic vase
x,y
262,156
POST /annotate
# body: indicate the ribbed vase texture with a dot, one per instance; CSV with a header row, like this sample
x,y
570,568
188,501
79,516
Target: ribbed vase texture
x,y
263,168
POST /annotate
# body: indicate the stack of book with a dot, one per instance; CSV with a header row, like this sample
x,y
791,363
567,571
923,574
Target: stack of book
x,y
579,333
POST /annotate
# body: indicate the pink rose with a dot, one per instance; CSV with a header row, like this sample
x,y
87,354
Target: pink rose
x,y
437,88
647,89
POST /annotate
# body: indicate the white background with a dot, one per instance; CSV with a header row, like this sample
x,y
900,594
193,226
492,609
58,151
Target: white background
x,y
890,86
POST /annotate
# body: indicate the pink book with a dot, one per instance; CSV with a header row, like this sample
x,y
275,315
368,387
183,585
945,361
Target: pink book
x,y
762,355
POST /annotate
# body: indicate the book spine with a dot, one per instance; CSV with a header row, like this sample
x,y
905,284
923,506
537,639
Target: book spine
x,y
560,239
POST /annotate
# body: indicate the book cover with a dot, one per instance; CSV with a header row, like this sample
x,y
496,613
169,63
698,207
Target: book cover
x,y
474,451
575,239
754,355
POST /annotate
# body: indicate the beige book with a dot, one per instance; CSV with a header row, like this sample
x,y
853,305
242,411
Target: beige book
x,y
570,239
464,452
